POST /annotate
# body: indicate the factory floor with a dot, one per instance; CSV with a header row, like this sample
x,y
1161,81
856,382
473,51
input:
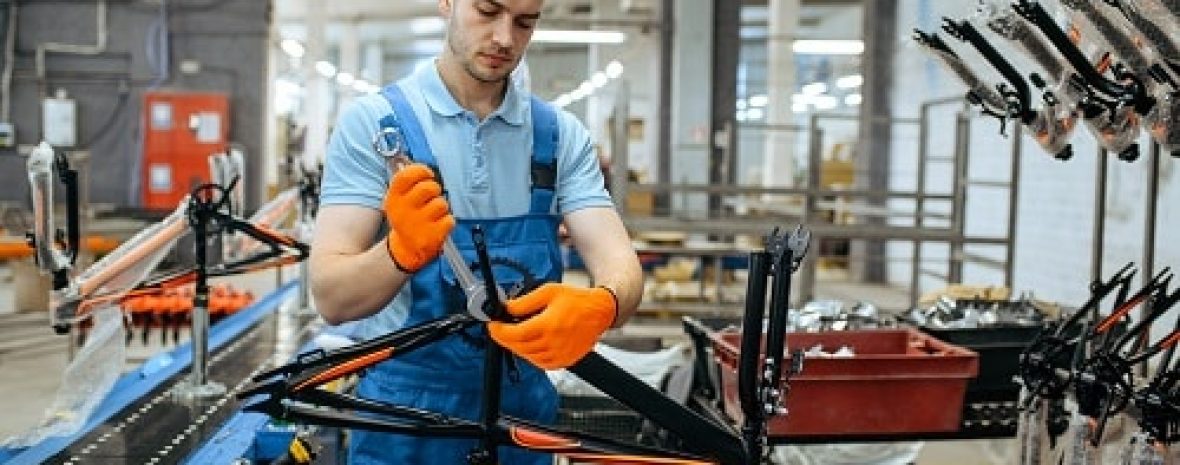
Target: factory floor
x,y
33,359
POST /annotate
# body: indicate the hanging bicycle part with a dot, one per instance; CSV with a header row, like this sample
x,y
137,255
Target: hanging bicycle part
x,y
55,251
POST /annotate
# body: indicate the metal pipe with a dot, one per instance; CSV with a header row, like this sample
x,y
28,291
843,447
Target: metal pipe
x,y
200,316
620,163
919,204
1099,217
99,46
875,119
814,161
730,226
1013,207
743,190
1153,188
9,57
304,285
959,192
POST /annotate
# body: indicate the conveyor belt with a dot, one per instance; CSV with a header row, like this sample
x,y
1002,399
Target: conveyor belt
x,y
153,427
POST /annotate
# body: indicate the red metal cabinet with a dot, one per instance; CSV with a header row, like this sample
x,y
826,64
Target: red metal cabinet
x,y
181,131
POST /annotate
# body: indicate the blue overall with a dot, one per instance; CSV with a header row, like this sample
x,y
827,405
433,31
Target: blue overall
x,y
447,376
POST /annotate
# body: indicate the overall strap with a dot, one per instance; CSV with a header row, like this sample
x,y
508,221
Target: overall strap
x,y
544,162
407,124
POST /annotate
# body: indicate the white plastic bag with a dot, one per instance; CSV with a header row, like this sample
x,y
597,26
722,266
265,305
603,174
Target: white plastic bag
x,y
87,381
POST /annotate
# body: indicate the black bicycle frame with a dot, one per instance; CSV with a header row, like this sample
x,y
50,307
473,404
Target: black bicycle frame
x,y
1102,379
291,391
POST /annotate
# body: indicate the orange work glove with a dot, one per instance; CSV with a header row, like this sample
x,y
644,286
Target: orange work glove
x,y
418,216
569,322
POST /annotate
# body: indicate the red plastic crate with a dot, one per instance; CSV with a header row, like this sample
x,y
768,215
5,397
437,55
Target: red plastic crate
x,y
899,382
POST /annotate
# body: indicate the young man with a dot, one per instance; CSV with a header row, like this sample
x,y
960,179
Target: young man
x,y
508,162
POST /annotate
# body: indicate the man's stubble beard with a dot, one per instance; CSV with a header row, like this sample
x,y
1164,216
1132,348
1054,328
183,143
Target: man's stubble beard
x,y
454,43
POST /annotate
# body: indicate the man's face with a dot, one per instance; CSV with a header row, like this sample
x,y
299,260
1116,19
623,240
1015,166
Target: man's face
x,y
488,37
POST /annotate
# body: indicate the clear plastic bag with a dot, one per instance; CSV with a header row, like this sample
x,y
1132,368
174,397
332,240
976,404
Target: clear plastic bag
x,y
87,381
894,453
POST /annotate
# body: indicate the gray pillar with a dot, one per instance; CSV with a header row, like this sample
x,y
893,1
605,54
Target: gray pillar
x,y
778,163
315,109
692,79
373,63
873,145
270,153
663,166
722,130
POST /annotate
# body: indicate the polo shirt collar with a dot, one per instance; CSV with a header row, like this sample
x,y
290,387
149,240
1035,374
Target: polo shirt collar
x,y
440,100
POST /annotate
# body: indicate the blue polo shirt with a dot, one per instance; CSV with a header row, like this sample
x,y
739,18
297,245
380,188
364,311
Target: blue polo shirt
x,y
484,164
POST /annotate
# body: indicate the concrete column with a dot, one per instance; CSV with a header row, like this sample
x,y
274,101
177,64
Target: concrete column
x,y
270,162
661,167
598,105
692,79
875,131
722,128
315,109
778,163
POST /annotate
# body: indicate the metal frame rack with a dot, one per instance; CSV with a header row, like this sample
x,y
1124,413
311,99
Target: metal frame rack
x,y
920,232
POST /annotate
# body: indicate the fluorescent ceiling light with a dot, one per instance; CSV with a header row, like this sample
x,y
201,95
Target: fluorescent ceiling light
x,y
325,69
579,37
825,102
345,79
587,87
853,100
759,101
360,85
828,47
741,104
614,69
740,115
754,114
815,88
427,25
798,107
850,81
292,48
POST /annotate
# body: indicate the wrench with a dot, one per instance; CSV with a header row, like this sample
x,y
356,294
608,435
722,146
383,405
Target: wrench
x,y
390,145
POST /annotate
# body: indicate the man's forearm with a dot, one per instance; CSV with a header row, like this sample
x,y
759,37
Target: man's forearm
x,y
626,281
351,287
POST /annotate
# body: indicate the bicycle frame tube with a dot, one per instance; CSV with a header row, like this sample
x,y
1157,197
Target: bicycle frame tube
x,y
291,391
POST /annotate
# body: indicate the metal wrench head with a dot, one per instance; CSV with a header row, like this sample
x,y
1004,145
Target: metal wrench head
x,y
798,242
391,145
477,296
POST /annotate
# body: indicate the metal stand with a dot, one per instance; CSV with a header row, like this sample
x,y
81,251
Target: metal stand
x,y
1099,218
304,287
1149,221
199,386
